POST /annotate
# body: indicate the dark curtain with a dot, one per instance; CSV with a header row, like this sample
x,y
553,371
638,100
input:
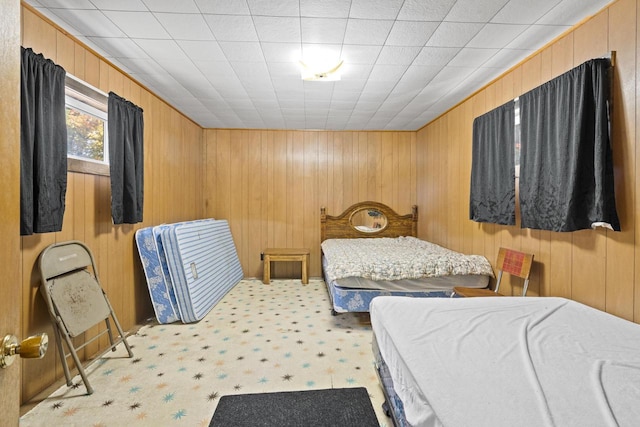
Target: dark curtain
x,y
493,191
566,167
43,144
126,131
126,134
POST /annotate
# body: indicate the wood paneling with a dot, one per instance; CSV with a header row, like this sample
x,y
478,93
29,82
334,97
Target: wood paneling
x,y
270,185
597,267
173,191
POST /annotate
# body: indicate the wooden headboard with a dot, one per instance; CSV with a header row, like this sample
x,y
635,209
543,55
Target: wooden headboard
x,y
340,226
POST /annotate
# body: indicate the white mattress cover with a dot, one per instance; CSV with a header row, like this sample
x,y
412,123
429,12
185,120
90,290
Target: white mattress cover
x,y
509,361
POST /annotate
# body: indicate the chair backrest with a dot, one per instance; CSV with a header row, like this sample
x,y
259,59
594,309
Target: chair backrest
x,y
70,289
514,263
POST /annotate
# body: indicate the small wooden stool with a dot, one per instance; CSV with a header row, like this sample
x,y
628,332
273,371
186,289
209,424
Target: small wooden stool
x,y
285,254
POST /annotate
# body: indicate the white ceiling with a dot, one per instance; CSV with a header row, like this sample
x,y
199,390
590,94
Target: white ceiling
x,y
234,63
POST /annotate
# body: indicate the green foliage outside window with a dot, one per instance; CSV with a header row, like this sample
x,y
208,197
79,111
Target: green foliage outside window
x,y
85,135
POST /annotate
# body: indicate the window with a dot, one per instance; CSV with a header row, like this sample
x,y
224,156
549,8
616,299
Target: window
x,y
86,115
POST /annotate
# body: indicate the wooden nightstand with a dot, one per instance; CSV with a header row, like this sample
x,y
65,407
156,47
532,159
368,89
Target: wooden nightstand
x,y
285,254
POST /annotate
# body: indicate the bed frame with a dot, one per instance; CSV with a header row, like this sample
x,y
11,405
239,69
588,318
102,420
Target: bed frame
x,y
340,227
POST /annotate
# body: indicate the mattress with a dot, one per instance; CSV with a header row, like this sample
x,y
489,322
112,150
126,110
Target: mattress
x,y
203,265
509,361
354,294
164,308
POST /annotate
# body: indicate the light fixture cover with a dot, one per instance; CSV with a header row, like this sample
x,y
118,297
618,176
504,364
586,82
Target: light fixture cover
x,y
320,72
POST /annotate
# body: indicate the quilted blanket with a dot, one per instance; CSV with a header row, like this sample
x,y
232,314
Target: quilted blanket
x,y
397,258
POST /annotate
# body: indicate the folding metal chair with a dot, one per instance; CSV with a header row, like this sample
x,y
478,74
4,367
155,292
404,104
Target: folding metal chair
x,y
76,301
509,261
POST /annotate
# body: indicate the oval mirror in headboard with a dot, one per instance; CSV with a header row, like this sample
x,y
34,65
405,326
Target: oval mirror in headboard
x,y
368,220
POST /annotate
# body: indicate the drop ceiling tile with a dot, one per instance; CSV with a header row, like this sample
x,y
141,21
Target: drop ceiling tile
x,y
496,35
161,49
207,50
436,56
411,33
274,8
223,7
474,10
232,28
523,11
182,6
325,8
182,26
292,103
316,50
287,71
254,71
339,105
216,70
119,5
138,24
447,79
367,32
356,71
141,66
507,58
277,29
358,54
242,51
89,22
398,55
417,76
281,52
387,72
420,10
472,57
323,30
349,85
532,37
119,46
72,4
571,12
375,9
454,34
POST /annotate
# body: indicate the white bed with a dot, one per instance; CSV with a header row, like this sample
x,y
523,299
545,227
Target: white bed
x,y
506,362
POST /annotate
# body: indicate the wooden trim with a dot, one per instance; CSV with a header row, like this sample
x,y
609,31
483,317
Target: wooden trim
x,y
82,166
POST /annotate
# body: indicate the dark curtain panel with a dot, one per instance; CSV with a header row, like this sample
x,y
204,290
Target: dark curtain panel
x,y
493,191
126,131
43,145
566,167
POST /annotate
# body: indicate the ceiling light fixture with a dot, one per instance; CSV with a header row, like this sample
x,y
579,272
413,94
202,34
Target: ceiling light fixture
x,y
320,72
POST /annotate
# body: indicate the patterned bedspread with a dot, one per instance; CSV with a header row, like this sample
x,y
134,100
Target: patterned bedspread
x,y
397,258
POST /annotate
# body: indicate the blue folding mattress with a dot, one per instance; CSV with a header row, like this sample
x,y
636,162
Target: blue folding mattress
x,y
161,300
203,265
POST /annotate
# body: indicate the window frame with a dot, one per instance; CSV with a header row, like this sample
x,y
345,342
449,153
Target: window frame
x,y
96,107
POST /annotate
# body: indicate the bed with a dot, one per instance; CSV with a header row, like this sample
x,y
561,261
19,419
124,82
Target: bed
x,y
369,250
525,361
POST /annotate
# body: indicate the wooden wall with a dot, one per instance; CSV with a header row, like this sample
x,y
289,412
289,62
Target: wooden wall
x,y
597,267
172,188
270,185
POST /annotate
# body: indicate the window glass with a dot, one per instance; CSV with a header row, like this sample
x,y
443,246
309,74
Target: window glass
x,y
86,115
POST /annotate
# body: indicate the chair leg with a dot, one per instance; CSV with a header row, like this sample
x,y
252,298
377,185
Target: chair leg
x,y
63,358
76,360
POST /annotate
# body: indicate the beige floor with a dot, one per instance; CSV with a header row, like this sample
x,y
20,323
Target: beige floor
x,y
259,338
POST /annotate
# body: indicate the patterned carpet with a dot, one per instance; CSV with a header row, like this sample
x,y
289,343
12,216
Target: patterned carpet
x,y
259,338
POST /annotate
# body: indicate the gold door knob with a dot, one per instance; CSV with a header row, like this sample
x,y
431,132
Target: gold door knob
x,y
33,347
